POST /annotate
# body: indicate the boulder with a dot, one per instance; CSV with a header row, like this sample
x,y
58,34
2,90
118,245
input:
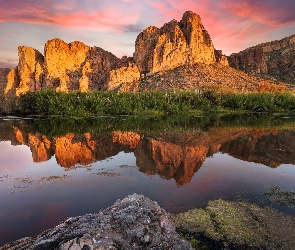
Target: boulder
x,y
135,222
237,225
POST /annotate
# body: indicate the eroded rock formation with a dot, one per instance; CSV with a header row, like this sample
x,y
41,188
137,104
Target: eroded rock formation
x,y
67,67
62,63
30,70
273,60
11,82
3,77
175,44
221,58
76,66
123,75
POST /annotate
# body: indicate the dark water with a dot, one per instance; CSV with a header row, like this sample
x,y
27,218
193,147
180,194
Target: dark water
x,y
54,168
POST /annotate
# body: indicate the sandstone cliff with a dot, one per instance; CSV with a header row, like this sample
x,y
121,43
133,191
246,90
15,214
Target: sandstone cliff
x,y
273,60
179,55
62,63
30,70
175,44
76,66
27,76
3,78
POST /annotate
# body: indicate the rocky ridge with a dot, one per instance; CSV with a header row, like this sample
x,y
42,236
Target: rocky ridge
x,y
182,53
273,60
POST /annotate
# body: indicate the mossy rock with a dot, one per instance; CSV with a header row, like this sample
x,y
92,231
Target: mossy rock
x,y
237,225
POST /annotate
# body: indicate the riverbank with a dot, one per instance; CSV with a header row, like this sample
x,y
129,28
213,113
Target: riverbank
x,y
146,103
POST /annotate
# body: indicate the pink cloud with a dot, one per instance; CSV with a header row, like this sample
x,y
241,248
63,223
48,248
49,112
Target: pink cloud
x,y
49,13
271,12
233,25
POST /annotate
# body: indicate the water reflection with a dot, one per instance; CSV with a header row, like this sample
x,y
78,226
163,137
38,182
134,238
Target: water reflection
x,y
85,165
171,154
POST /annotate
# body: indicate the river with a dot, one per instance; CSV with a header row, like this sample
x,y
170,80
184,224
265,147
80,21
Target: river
x,y
53,168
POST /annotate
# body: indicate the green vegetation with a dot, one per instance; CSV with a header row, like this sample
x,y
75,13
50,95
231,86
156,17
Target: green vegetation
x,y
59,125
147,103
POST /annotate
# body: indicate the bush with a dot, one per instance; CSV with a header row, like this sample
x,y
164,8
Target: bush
x,y
50,102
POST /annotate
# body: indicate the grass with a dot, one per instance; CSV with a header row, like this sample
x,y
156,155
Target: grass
x,y
147,103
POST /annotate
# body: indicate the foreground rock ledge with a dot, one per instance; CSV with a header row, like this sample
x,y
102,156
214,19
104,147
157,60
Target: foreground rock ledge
x,y
135,222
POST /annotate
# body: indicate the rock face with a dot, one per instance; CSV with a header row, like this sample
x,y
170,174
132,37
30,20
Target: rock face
x,y
30,70
117,77
221,58
175,44
67,67
11,82
135,222
62,63
3,77
274,60
179,55
27,76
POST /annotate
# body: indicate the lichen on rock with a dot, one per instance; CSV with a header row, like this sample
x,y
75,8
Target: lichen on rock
x,y
237,225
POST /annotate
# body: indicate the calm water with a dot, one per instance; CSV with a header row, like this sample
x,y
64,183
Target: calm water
x,y
54,168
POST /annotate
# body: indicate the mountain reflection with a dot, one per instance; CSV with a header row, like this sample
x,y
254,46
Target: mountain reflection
x,y
178,155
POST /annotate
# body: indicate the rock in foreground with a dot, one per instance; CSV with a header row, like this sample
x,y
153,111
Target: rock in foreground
x,y
135,222
237,225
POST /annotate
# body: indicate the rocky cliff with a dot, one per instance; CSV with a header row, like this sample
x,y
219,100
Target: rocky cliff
x,y
273,60
30,70
66,67
175,44
76,66
179,55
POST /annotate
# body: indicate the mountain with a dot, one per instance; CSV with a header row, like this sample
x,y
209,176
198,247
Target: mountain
x,y
179,55
273,60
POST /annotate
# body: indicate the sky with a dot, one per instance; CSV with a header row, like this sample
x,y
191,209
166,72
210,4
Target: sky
x,y
114,24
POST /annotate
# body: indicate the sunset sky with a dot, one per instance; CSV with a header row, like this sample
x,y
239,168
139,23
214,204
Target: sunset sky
x,y
114,24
